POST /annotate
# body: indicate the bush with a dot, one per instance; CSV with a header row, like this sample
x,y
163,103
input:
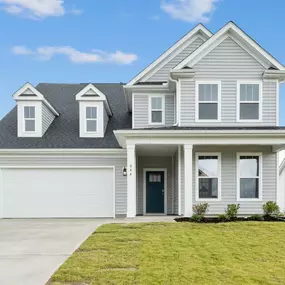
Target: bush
x,y
256,217
232,211
223,218
201,209
197,218
270,208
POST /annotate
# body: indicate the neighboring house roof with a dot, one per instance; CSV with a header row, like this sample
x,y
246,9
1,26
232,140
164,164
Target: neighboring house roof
x,y
64,131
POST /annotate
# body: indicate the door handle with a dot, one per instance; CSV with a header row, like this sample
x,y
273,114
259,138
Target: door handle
x,y
162,191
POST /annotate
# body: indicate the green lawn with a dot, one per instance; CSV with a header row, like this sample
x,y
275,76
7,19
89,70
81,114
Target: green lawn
x,y
179,253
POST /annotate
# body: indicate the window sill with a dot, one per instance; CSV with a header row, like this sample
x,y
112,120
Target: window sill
x,y
207,121
208,199
249,121
249,200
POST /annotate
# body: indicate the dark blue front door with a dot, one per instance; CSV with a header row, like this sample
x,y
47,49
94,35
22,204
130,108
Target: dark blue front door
x,y
155,192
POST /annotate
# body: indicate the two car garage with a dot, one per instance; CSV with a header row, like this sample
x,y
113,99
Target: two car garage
x,y
83,192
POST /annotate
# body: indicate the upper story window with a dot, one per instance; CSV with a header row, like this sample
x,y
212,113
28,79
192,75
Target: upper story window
x,y
156,112
208,176
249,176
91,119
249,101
208,101
29,118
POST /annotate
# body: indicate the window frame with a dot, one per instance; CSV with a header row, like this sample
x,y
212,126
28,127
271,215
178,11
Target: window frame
x,y
239,154
218,154
150,110
258,82
218,102
29,119
88,119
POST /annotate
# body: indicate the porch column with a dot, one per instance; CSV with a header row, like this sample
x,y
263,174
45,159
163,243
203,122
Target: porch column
x,y
188,162
131,178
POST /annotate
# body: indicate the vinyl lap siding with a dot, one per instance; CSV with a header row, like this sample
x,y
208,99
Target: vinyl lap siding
x,y
229,179
141,110
47,118
106,120
163,73
76,161
228,62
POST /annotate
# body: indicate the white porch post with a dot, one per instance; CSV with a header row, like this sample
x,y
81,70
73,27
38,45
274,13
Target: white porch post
x,y
131,177
188,162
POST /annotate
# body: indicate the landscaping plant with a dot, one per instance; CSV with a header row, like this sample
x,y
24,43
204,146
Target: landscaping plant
x,y
232,211
200,211
270,209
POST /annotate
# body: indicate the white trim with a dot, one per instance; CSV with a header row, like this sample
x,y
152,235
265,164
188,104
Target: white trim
x,y
239,154
277,102
178,100
219,155
38,96
97,96
260,105
1,194
197,102
171,57
150,97
179,180
170,50
62,152
91,119
214,41
145,170
133,111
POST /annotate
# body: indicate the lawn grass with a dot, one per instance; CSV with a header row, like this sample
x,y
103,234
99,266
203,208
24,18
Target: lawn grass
x,y
179,253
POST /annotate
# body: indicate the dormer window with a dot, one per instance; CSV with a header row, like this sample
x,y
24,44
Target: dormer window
x,y
94,112
91,119
30,118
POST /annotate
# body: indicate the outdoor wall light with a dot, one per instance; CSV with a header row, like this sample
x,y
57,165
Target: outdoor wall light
x,y
125,171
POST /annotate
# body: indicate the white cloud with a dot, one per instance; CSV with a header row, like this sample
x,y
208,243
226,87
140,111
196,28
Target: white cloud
x,y
21,50
75,56
189,10
37,9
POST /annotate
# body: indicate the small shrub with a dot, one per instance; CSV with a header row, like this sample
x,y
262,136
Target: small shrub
x,y
232,211
197,218
256,217
201,209
270,208
223,218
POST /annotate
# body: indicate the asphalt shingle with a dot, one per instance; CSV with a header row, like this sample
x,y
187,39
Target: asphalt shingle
x,y
64,131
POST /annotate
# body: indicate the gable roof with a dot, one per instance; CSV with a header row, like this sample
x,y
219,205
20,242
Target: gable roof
x,y
64,130
197,29
248,43
91,93
29,92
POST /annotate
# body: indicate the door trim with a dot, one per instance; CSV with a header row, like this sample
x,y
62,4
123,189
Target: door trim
x,y
145,170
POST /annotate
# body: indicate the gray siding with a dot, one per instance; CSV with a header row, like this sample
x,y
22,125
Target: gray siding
x,y
83,160
105,120
163,73
228,62
141,110
229,176
47,117
154,162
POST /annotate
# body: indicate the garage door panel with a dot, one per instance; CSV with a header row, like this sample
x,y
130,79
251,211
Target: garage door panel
x,y
58,193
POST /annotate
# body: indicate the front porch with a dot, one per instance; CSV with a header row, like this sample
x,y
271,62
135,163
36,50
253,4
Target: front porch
x,y
169,163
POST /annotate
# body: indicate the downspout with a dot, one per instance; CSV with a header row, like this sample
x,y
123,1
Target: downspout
x,y
177,101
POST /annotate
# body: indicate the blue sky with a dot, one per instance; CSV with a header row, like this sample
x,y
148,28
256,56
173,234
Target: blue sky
x,y
75,41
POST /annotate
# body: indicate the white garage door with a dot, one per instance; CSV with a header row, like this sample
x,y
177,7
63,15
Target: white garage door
x,y
58,193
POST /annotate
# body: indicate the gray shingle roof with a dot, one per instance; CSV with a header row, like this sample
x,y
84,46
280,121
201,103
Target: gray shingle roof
x,y
64,131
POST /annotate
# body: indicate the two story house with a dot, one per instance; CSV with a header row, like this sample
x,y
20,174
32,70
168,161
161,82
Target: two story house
x,y
199,124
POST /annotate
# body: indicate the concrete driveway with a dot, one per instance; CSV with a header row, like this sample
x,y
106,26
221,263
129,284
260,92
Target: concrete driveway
x,y
32,250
